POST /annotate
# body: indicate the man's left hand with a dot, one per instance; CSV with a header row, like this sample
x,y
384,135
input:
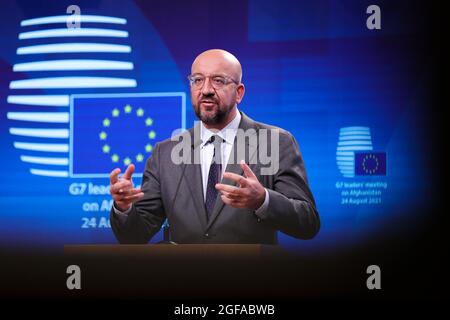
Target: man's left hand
x,y
248,192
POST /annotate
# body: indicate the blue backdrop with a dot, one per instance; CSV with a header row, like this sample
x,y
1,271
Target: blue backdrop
x,y
354,98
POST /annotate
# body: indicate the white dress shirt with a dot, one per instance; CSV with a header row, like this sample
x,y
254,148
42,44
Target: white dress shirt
x,y
207,149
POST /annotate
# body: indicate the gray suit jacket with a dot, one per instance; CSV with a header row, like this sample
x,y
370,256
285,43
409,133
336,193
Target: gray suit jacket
x,y
174,191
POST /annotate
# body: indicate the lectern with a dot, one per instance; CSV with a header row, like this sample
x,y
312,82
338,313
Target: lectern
x,y
213,251
176,271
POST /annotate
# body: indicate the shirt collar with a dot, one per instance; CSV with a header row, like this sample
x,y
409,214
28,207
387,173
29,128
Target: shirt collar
x,y
228,133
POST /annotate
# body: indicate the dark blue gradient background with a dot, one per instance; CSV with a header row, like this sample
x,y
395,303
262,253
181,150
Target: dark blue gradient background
x,y
310,67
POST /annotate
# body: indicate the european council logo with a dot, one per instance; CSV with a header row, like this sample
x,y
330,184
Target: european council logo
x,y
355,155
62,134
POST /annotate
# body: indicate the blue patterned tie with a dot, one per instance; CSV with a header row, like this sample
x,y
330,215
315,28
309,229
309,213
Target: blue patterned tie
x,y
215,171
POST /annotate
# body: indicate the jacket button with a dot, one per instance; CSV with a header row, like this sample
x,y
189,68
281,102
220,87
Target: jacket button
x,y
259,219
206,235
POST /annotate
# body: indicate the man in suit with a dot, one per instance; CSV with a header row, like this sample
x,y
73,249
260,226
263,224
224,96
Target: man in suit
x,y
204,200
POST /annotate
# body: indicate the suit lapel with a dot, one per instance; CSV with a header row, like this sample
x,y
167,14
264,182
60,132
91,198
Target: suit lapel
x,y
234,166
193,176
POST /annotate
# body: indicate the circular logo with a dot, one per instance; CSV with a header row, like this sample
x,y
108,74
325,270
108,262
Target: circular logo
x,y
127,111
370,164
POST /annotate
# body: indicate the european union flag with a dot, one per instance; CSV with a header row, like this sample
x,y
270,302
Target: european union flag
x,y
370,163
114,130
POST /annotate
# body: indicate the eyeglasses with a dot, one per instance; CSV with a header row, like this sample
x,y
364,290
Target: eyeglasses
x,y
217,81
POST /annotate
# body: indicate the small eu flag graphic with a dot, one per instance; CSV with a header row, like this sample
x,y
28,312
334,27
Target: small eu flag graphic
x,y
370,163
111,130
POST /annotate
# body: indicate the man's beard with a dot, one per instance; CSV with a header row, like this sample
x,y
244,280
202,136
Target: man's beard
x,y
218,116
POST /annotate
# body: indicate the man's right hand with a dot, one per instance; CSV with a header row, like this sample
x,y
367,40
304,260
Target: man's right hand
x,y
122,190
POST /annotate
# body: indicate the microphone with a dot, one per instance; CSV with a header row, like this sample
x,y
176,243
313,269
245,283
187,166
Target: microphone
x,y
166,234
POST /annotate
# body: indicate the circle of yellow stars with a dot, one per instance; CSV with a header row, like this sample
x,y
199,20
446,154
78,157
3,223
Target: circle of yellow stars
x,y
364,164
103,135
